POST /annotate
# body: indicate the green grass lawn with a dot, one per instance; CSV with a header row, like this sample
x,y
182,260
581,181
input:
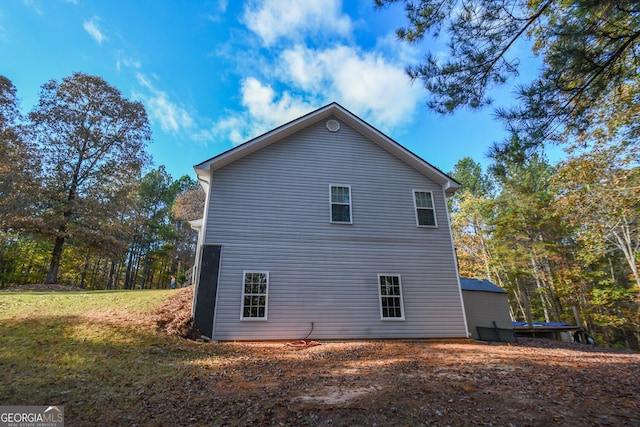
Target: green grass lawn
x,y
94,352
45,304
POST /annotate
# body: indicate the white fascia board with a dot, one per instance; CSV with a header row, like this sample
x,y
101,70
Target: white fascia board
x,y
204,169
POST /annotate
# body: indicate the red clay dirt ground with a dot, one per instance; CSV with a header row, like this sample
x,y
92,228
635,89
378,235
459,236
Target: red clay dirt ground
x,y
423,382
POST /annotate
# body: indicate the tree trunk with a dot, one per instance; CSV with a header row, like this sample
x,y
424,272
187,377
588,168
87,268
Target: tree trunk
x,y
85,269
112,273
94,274
624,241
128,279
56,255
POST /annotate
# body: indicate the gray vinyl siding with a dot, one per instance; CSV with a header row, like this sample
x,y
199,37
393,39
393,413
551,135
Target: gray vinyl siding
x,y
271,212
484,308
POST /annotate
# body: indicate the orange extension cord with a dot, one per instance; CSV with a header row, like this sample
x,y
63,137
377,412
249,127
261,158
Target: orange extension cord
x,y
303,343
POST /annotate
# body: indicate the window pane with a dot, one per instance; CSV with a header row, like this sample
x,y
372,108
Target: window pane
x,y
246,311
394,281
340,195
395,290
254,300
426,217
423,199
390,297
340,213
340,204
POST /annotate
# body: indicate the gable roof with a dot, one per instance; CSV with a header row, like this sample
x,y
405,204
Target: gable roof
x,y
331,110
480,285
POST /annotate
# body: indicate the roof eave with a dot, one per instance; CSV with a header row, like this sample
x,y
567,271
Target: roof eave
x,y
204,169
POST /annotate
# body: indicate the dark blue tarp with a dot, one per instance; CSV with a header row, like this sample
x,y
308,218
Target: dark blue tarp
x,y
542,324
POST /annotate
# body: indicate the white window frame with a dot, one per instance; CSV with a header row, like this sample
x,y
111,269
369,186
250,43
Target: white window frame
x,y
331,203
244,294
380,296
433,208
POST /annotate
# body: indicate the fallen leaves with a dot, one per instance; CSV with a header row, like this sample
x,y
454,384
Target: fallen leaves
x,y
536,382
131,374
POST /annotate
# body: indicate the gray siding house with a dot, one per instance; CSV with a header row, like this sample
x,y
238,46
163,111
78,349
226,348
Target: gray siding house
x,y
328,229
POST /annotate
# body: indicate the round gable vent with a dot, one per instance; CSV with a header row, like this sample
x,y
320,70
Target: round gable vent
x,y
333,125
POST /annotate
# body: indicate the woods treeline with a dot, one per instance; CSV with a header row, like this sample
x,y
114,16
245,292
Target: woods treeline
x,y
80,206
79,203
557,237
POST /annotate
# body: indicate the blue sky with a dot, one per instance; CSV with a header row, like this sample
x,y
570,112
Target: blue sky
x,y
215,73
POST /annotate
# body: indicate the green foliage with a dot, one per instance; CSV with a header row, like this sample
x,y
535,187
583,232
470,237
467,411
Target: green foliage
x,y
23,259
161,245
19,166
600,195
91,219
469,173
470,208
589,52
548,236
93,140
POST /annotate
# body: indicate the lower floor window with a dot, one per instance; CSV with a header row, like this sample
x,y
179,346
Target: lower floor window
x,y
254,295
390,288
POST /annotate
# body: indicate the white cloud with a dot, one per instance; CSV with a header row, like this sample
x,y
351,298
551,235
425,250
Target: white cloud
x,y
260,100
312,61
33,5
301,66
125,61
293,19
401,52
371,85
172,117
365,82
264,110
233,128
91,27
217,10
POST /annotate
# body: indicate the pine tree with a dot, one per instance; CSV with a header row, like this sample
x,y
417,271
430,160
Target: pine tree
x,y
589,50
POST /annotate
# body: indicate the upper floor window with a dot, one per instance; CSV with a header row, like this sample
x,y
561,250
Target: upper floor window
x,y
425,211
254,295
341,204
